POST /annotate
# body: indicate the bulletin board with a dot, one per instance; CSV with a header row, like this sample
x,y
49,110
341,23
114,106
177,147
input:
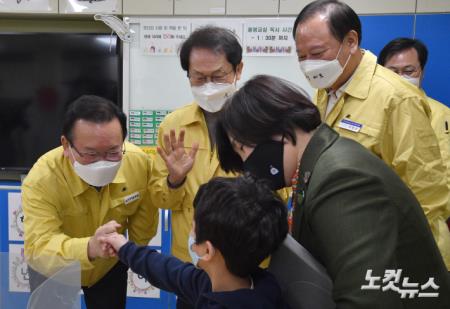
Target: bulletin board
x,y
154,80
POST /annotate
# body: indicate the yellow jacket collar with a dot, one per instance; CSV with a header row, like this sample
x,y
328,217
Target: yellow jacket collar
x,y
120,177
77,185
423,92
193,114
359,86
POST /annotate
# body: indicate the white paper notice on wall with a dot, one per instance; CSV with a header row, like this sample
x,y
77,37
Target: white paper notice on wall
x,y
15,216
18,269
138,286
26,6
91,6
156,241
269,37
163,37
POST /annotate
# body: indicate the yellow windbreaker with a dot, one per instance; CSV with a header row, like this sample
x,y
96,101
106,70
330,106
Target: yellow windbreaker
x,y
62,211
390,117
440,122
206,166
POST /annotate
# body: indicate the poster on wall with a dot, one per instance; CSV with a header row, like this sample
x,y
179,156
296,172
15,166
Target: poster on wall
x,y
163,37
91,6
18,269
15,217
143,126
28,6
268,37
138,286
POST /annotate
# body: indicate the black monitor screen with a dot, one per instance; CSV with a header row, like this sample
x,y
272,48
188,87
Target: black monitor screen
x,y
40,75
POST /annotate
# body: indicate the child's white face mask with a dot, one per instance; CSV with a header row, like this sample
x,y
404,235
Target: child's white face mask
x,y
194,256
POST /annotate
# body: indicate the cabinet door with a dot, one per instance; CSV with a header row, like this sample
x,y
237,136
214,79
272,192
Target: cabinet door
x,y
292,7
148,7
429,6
90,7
37,6
199,7
382,6
252,7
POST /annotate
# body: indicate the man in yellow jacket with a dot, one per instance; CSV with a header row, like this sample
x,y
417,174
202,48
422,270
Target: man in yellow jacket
x,y
93,185
212,58
408,57
366,102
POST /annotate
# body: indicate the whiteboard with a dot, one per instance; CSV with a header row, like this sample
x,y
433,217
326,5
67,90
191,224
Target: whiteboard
x,y
158,82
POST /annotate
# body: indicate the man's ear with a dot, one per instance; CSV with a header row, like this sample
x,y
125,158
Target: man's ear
x,y
65,144
422,76
352,41
239,68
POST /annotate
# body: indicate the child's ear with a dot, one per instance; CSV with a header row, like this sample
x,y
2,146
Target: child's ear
x,y
210,251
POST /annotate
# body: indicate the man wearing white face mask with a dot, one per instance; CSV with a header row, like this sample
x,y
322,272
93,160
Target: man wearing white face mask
x,y
95,184
212,59
366,102
408,57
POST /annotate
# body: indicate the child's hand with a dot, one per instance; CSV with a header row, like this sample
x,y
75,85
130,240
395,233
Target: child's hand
x,y
115,241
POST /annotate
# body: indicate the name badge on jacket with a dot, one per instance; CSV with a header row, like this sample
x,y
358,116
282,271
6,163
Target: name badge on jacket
x,y
131,198
347,124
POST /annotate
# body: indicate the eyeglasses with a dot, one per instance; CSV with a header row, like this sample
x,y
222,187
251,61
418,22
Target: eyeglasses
x,y
218,78
93,156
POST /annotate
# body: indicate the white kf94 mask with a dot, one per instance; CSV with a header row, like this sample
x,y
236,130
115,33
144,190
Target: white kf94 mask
x,y
211,96
97,174
413,80
323,73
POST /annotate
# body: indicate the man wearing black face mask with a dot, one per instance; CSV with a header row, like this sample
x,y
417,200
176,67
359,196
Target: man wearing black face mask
x,y
351,211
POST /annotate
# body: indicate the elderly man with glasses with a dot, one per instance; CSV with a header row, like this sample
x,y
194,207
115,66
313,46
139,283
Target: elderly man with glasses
x,y
77,193
212,59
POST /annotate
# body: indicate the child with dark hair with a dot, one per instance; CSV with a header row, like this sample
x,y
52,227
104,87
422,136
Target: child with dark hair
x,y
237,223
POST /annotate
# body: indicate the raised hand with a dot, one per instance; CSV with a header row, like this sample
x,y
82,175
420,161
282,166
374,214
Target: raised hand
x,y
177,160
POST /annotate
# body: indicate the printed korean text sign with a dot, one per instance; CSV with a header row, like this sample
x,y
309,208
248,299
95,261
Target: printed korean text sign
x,y
163,37
270,37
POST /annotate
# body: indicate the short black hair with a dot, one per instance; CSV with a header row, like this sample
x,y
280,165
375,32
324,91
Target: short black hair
x,y
264,106
242,218
216,39
341,18
401,44
94,109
